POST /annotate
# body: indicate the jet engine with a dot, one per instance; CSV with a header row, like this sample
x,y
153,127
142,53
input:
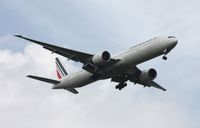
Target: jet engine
x,y
147,75
100,59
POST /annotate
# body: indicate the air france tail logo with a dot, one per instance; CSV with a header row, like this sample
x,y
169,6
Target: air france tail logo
x,y
60,69
58,74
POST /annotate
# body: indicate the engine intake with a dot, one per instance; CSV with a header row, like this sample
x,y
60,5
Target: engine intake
x,y
100,59
106,56
147,75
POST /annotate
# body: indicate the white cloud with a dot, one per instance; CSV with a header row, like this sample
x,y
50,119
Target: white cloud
x,y
92,26
27,103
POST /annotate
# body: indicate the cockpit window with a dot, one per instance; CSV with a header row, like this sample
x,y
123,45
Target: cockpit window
x,y
171,37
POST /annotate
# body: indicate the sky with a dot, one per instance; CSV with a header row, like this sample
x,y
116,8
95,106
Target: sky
x,y
94,26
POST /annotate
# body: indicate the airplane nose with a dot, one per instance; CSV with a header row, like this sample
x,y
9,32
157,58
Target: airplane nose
x,y
172,41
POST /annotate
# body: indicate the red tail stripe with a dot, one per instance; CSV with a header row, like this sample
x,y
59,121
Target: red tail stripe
x,y
58,74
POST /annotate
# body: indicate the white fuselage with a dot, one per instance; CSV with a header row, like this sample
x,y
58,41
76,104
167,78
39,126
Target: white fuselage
x,y
132,57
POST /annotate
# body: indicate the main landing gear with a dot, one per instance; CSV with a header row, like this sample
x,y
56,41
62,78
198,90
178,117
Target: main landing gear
x,y
120,86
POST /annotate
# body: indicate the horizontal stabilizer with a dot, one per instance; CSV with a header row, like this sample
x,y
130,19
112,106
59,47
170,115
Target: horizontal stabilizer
x,y
72,90
44,79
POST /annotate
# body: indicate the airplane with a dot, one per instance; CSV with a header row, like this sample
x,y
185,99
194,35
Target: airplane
x,y
119,68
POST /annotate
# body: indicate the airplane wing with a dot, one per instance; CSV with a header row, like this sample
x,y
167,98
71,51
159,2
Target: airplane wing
x,y
154,84
134,78
76,56
70,54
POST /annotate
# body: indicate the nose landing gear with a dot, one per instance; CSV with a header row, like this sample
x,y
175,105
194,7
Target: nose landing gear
x,y
164,57
166,51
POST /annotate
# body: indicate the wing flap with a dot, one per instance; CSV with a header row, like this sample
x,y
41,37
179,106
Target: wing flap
x,y
90,67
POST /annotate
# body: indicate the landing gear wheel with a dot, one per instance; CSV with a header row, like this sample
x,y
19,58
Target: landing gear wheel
x,y
117,87
125,84
164,58
120,86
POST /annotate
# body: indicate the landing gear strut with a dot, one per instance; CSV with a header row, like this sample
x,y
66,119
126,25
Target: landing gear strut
x,y
166,51
120,86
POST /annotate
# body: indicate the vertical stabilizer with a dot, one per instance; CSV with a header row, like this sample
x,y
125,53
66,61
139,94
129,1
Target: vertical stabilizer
x,y
60,70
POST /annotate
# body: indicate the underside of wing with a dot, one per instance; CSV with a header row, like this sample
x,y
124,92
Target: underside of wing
x,y
134,77
76,56
154,84
70,54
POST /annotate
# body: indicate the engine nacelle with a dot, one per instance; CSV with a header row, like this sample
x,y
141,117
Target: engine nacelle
x,y
147,75
100,59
